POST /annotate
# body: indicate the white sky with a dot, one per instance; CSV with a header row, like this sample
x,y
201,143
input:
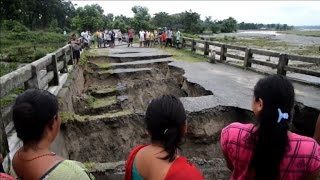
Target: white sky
x,y
289,12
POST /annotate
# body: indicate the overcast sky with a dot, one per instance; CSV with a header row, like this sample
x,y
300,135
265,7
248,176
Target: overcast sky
x,y
289,12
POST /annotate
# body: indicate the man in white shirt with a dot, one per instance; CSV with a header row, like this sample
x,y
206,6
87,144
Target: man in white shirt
x,y
169,37
141,37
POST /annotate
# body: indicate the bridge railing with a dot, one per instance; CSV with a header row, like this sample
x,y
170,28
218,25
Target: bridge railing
x,y
282,65
49,72
40,74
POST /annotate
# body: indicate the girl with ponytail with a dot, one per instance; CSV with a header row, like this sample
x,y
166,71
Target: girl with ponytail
x,y
166,124
268,150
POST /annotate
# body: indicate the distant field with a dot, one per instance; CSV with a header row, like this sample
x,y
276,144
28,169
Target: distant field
x,y
26,47
302,33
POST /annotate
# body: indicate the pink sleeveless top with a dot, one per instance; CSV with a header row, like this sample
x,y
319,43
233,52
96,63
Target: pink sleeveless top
x,y
302,157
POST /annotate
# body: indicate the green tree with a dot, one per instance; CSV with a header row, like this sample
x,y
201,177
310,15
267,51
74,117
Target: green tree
x,y
229,25
141,19
89,17
162,19
190,21
38,14
121,22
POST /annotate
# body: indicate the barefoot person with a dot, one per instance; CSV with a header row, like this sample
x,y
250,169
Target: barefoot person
x,y
166,123
37,122
268,150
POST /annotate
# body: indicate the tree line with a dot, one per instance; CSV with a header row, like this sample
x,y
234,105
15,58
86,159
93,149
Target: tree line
x,y
278,27
60,15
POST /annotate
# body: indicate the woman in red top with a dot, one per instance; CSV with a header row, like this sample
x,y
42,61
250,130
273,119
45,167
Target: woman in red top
x,y
166,123
163,38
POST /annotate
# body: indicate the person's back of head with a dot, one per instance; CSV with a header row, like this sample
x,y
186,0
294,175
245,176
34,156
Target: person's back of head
x,y
33,111
166,123
272,105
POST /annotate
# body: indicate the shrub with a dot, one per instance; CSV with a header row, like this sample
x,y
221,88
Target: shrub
x,y
39,53
14,26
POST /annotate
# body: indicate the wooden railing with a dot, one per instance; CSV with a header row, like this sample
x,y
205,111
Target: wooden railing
x,y
40,74
49,72
282,66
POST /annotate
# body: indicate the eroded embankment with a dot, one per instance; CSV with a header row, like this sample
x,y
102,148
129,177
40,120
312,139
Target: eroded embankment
x,y
104,117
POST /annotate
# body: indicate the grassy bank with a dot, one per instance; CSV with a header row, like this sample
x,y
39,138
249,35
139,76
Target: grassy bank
x,y
184,55
26,47
302,33
269,44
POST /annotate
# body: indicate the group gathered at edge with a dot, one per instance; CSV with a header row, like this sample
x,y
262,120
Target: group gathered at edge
x,y
265,150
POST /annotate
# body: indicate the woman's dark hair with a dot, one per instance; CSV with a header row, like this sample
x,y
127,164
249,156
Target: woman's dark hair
x,y
32,112
270,138
165,118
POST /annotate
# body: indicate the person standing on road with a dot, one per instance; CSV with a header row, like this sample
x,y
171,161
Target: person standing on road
x,y
76,46
130,36
119,37
151,39
147,38
163,39
169,38
141,37
178,38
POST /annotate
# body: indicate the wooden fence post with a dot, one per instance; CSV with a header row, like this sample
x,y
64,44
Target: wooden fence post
x,y
283,62
33,83
183,43
193,48
223,52
71,56
213,56
65,63
248,56
54,67
206,48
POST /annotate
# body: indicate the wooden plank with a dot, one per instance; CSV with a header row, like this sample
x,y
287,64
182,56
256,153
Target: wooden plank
x,y
66,47
42,62
265,53
240,48
200,41
54,67
302,71
215,44
235,56
304,59
59,53
14,79
46,79
68,58
200,48
60,65
188,39
263,63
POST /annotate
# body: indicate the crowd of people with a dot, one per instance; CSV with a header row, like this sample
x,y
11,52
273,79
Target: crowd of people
x,y
101,38
266,150
165,38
